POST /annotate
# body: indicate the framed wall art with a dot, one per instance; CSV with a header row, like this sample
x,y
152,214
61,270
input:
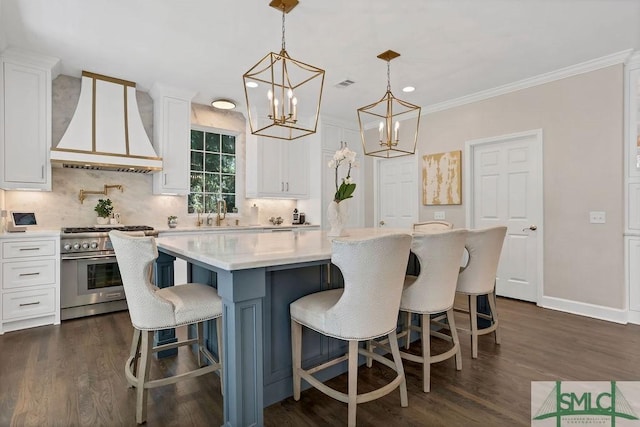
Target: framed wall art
x,y
441,179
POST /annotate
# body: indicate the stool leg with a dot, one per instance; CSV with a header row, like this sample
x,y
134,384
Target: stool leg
x,y
134,355
296,355
473,312
143,375
454,337
407,344
200,333
425,329
220,351
397,359
370,348
494,314
353,382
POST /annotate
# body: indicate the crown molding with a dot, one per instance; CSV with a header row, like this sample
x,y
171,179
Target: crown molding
x,y
584,67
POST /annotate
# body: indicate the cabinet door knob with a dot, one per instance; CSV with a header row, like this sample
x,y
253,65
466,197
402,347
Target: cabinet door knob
x,y
531,227
381,223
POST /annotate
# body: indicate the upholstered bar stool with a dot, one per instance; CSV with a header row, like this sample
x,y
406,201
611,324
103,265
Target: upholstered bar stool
x,y
367,308
152,309
479,278
433,292
429,226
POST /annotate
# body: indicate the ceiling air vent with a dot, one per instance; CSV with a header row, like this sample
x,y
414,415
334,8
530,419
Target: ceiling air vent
x,y
344,83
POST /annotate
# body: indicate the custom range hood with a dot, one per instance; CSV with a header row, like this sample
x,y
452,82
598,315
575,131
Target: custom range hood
x,y
106,130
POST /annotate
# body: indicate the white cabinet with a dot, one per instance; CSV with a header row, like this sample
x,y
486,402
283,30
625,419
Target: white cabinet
x,y
632,186
277,168
25,120
30,293
171,138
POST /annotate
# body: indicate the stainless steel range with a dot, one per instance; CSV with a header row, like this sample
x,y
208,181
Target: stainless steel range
x,y
90,278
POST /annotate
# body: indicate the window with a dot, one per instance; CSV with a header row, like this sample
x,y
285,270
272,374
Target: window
x,y
213,171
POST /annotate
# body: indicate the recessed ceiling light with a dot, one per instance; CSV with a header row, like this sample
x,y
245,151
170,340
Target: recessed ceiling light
x,y
408,89
223,104
252,84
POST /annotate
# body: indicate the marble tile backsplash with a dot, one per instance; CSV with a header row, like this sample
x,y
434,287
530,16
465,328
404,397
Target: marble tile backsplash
x,y
136,205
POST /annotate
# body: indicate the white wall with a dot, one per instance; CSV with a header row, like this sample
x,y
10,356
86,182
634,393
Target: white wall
x,y
582,122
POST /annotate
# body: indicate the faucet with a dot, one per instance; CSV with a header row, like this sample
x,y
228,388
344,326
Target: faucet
x,y
221,204
198,220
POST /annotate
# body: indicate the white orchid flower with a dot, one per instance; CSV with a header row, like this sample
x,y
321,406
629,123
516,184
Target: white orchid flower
x,y
331,164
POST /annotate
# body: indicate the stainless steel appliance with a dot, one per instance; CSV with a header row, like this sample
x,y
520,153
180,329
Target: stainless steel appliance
x,y
89,274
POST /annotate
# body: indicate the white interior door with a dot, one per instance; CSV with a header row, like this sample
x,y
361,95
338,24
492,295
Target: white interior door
x,y
506,189
397,192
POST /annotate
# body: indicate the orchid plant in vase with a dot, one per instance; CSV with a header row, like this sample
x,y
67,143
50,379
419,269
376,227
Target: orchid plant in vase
x,y
337,212
345,189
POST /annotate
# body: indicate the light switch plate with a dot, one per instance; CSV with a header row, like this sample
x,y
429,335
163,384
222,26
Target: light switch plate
x,y
597,217
438,215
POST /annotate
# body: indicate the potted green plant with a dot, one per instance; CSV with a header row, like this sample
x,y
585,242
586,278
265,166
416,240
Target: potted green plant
x,y
104,209
172,221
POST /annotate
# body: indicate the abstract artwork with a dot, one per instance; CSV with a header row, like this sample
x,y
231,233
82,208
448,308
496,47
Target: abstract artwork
x,y
441,179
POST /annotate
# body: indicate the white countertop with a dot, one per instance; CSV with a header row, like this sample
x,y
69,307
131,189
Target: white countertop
x,y
239,251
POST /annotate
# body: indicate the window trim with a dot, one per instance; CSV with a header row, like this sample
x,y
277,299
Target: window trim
x,y
221,131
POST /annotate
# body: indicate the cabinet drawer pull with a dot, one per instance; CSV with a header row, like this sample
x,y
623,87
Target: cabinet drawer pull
x,y
287,186
29,303
29,274
29,249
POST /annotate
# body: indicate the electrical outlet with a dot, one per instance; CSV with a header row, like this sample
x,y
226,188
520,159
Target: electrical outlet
x,y
438,215
597,217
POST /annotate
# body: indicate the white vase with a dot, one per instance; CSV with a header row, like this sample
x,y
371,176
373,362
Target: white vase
x,y
102,221
337,215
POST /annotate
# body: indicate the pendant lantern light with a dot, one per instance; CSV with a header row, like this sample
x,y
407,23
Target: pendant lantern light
x,y
283,94
387,127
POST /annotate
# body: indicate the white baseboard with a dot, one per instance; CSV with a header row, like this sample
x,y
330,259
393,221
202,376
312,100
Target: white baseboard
x,y
584,309
634,317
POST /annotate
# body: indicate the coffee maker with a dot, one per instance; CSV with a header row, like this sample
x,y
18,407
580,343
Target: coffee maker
x,y
298,217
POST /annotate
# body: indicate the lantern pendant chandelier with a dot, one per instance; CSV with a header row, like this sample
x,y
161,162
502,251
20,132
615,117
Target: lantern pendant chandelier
x,y
380,122
283,95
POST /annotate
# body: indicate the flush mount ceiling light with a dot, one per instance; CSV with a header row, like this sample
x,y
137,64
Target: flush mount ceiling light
x,y
380,122
223,104
290,105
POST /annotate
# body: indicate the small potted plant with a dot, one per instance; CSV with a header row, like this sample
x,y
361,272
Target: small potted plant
x,y
104,209
172,221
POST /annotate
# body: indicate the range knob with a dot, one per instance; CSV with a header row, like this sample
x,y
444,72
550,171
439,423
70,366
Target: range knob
x,y
85,245
67,247
76,246
94,245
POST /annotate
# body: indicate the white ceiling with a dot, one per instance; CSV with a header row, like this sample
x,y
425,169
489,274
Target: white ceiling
x,y
449,48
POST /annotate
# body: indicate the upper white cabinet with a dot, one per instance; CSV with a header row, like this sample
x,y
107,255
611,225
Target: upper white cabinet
x,y
171,138
277,168
25,120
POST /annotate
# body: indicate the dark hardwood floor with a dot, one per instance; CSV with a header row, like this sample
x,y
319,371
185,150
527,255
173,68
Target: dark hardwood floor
x,y
66,376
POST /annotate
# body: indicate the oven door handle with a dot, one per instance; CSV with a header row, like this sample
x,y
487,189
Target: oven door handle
x,y
90,258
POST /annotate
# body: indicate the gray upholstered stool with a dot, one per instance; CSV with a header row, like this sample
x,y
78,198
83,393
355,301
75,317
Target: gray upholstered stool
x,y
152,309
367,308
479,278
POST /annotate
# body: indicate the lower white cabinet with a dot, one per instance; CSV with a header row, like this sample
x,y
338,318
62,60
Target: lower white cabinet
x,y
30,294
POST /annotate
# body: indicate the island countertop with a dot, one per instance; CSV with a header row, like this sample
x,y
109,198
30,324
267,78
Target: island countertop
x,y
239,251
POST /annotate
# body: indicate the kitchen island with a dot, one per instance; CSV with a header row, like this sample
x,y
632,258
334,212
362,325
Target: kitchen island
x,y
258,275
